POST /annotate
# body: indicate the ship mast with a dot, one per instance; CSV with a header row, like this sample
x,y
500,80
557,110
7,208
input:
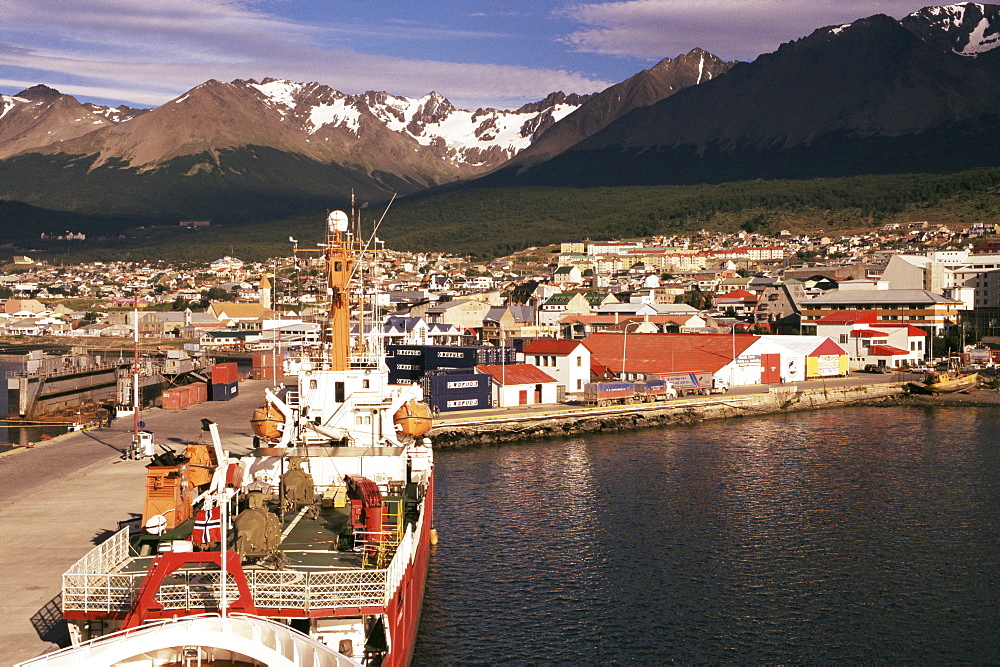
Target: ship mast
x,y
340,266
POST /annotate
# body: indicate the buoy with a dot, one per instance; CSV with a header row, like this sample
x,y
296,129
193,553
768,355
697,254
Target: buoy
x,y
434,536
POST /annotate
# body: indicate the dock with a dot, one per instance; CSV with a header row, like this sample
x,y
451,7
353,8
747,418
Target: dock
x,y
65,495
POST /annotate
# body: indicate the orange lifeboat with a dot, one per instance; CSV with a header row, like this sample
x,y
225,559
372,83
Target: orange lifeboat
x,y
267,421
412,418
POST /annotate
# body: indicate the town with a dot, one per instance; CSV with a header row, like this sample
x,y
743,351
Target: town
x,y
695,313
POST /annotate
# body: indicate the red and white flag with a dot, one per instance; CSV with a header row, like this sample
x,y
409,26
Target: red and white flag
x,y
207,526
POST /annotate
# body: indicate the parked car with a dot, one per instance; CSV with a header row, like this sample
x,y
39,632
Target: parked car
x,y
875,368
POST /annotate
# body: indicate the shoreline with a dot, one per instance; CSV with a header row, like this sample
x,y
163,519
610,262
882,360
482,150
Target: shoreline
x,y
496,429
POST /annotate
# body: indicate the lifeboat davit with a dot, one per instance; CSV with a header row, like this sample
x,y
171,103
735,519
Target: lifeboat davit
x,y
412,418
267,422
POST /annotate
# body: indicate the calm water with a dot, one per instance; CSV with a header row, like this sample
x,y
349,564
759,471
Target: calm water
x,y
835,536
13,436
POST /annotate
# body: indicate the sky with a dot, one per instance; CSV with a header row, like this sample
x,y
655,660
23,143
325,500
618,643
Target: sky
x,y
477,53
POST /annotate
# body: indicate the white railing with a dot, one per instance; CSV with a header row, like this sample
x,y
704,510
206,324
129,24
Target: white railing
x,y
92,585
256,637
105,557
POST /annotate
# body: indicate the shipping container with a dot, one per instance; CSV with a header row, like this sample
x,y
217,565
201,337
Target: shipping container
x,y
224,392
224,373
267,360
462,389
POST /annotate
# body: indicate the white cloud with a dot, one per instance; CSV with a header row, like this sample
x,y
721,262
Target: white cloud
x,y
732,29
149,52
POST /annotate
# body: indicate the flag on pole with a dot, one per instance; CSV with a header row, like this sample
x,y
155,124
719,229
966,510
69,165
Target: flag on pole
x,y
207,526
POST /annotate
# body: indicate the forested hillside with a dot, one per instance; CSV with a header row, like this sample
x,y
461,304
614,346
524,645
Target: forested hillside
x,y
495,222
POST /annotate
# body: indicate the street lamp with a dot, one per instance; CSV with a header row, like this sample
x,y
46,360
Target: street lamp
x,y
625,344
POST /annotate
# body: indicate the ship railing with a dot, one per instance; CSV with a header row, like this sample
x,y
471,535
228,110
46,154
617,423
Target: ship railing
x,y
96,583
201,589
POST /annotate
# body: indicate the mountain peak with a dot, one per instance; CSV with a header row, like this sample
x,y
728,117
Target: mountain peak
x,y
968,28
39,93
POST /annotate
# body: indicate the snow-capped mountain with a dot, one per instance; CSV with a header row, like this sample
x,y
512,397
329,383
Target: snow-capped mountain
x,y
39,116
968,29
476,139
878,95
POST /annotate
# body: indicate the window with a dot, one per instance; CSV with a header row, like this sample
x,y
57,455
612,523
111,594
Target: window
x,y
579,362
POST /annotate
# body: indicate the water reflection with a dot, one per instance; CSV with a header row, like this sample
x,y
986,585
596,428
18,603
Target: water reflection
x,y
848,535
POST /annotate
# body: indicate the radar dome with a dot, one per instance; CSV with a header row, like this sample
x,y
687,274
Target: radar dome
x,y
337,221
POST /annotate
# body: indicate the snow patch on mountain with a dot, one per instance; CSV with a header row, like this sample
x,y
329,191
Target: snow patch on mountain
x,y
339,113
979,42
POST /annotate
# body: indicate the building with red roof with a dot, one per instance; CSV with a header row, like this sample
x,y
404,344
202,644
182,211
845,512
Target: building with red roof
x,y
869,340
521,384
568,361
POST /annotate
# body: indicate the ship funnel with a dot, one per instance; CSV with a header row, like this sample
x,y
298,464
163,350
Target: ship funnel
x,y
337,221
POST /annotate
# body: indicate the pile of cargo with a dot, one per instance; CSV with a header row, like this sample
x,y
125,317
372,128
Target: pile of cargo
x,y
267,366
177,398
408,364
225,381
458,389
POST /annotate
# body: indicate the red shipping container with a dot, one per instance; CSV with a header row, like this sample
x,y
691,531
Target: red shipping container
x,y
171,400
267,360
224,373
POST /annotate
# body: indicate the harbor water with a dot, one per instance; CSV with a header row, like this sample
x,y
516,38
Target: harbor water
x,y
14,435
853,535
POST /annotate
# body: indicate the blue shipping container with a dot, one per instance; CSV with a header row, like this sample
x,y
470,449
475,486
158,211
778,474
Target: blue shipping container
x,y
224,392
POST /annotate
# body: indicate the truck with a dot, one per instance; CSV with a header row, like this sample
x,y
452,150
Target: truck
x,y
654,390
695,383
608,393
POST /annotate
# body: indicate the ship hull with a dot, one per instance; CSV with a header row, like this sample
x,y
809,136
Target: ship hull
x,y
404,609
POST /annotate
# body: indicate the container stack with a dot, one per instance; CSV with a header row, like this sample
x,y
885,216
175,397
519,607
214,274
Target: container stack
x,y
406,363
178,398
409,363
225,381
451,390
267,366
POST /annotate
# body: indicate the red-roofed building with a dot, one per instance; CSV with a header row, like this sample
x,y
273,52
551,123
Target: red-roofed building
x,y
871,341
521,384
740,301
568,361
633,355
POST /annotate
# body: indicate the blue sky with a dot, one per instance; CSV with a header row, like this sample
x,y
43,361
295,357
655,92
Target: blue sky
x,y
477,53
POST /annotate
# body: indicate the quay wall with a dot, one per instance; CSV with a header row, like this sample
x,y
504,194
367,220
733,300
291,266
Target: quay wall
x,y
519,426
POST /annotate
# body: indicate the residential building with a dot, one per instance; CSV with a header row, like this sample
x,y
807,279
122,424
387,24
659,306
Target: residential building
x,y
568,361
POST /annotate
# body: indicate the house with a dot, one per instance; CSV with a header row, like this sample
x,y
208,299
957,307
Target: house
x,y
240,315
635,355
502,323
229,338
568,361
740,301
559,305
778,305
567,275
810,357
520,384
917,307
868,340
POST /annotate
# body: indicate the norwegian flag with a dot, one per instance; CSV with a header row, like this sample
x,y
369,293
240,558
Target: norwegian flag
x,y
207,526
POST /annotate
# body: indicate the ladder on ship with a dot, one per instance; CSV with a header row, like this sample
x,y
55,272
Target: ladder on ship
x,y
378,555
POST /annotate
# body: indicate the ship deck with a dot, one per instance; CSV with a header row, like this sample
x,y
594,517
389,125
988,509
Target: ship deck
x,y
307,544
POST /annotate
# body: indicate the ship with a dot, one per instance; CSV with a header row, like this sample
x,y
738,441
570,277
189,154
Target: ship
x,y
324,527
945,382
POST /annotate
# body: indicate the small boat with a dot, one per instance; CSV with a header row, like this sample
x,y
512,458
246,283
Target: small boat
x,y
945,382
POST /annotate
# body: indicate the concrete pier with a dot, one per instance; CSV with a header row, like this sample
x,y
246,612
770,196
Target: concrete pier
x,y
65,495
